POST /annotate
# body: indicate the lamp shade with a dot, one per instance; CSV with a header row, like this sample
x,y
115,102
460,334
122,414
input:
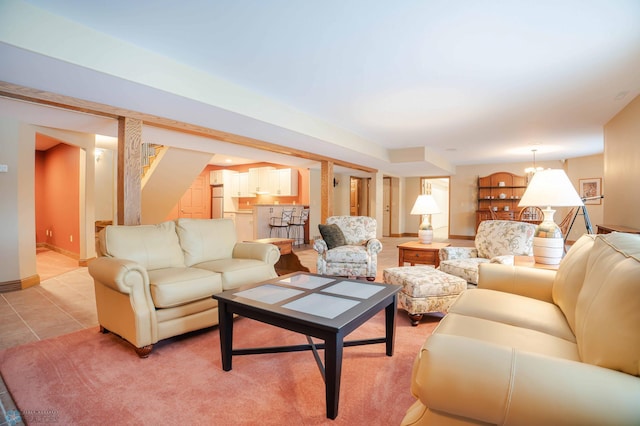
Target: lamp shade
x,y
550,187
425,204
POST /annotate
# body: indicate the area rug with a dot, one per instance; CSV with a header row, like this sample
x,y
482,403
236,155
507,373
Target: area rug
x,y
90,378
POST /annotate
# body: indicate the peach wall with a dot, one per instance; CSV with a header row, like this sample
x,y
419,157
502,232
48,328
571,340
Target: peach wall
x,y
57,183
40,204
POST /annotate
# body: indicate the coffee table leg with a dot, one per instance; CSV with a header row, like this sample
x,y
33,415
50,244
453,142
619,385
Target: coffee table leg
x,y
390,324
225,326
333,370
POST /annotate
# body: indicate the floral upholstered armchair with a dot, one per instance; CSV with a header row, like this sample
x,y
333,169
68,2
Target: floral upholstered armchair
x,y
497,241
349,247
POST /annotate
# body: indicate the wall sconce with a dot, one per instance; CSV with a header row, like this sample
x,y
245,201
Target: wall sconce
x,y
97,153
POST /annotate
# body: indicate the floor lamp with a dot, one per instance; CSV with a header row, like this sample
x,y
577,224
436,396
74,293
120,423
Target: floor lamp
x,y
550,187
425,206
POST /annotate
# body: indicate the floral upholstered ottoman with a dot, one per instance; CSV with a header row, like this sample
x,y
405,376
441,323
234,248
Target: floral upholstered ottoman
x,y
424,289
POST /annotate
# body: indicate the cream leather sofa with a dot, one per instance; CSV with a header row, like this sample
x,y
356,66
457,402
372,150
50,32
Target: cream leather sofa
x,y
539,347
156,281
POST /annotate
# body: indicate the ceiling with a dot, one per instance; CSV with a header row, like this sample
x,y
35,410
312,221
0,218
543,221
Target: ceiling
x,y
411,88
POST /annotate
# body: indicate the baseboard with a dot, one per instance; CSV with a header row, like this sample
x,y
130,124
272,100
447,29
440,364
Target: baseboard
x,y
462,237
21,284
451,237
67,253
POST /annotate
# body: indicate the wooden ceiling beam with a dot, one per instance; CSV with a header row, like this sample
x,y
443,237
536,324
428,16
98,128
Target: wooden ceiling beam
x,y
14,91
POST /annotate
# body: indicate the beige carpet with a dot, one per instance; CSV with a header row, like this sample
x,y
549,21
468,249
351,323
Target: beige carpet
x,y
87,378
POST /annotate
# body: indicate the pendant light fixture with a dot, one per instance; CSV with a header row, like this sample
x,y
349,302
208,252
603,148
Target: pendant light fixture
x,y
531,170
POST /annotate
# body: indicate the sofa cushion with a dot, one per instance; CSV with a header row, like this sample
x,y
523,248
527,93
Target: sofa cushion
x,y
152,246
499,333
348,254
608,308
464,268
332,235
176,286
570,277
513,309
238,272
206,239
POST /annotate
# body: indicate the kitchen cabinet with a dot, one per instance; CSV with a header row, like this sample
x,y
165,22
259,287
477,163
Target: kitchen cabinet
x,y
216,177
240,185
284,182
260,179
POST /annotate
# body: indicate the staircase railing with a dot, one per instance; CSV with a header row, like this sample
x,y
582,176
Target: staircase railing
x,y
148,154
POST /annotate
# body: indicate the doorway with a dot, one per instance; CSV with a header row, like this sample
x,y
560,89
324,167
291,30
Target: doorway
x,y
359,197
57,193
439,188
386,206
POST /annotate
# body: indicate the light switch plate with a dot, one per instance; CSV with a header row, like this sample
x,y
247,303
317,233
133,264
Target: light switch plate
x,y
4,168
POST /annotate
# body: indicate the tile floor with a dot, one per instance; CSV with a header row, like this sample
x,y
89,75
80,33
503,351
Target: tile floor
x,y
64,302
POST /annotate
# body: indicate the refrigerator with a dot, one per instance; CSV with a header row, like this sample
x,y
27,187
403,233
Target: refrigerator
x,y
217,202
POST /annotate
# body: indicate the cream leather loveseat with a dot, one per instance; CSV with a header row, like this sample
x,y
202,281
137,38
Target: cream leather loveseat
x,y
539,347
156,281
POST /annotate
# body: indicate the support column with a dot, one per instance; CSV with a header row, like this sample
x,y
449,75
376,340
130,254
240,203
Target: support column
x,y
326,190
129,171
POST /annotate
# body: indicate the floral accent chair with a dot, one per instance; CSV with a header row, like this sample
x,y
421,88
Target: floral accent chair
x,y
497,241
358,256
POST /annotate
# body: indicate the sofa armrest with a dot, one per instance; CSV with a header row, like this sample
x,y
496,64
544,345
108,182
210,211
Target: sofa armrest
x,y
373,245
530,282
450,253
267,253
320,246
120,275
505,259
502,385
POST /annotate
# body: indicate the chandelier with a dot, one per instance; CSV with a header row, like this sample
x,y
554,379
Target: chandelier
x,y
533,169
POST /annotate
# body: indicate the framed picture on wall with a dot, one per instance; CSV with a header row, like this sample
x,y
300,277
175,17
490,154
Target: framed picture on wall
x,y
590,188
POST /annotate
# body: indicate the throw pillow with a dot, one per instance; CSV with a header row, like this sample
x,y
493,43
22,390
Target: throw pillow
x,y
332,235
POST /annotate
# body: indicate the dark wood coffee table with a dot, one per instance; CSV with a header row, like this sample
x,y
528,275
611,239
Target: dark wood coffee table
x,y
324,307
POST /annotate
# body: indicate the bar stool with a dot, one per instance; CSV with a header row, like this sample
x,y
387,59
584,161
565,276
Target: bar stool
x,y
296,227
280,224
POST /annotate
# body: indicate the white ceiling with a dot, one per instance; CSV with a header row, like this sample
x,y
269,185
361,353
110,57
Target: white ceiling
x,y
463,81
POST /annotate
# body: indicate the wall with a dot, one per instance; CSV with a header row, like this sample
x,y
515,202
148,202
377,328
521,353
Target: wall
x,y
622,167
105,184
464,192
40,204
17,190
582,168
17,215
59,194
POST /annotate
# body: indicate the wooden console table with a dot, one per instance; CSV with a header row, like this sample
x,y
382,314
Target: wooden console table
x,y
606,229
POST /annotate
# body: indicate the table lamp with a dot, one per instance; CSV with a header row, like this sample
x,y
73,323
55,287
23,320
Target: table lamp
x,y
425,205
549,187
